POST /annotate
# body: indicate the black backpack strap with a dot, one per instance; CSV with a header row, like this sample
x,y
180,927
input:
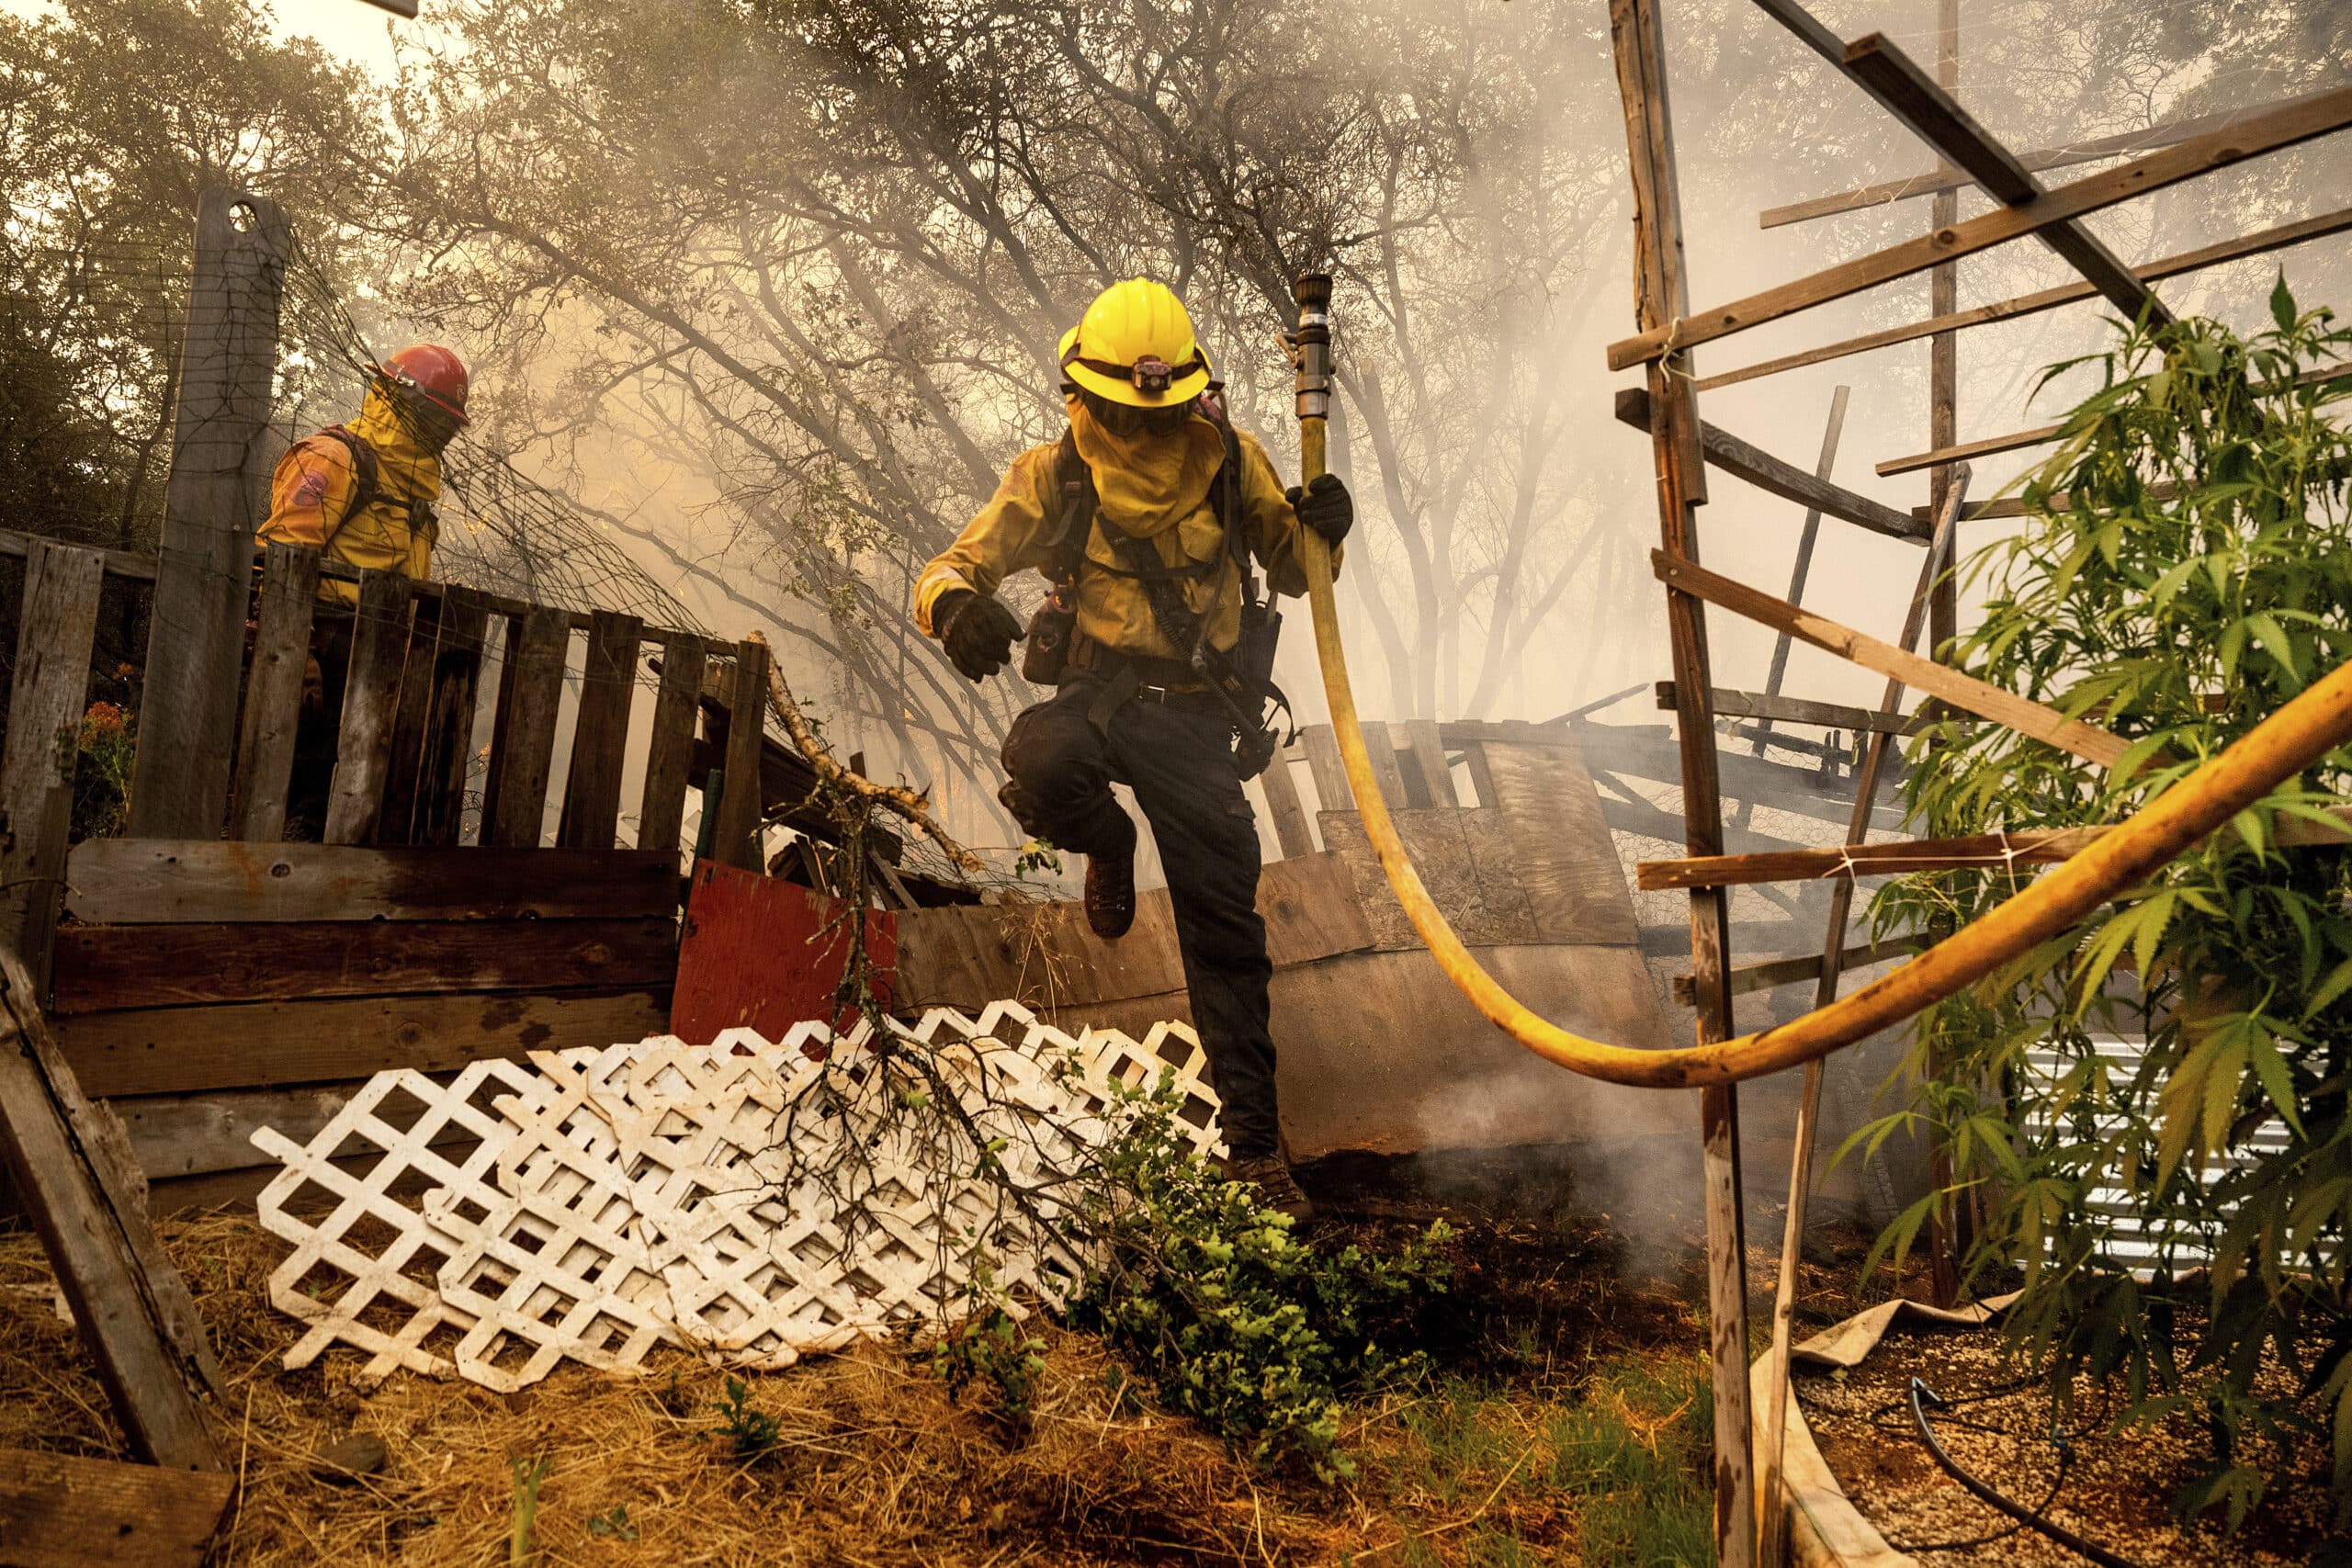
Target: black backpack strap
x,y
1075,525
367,469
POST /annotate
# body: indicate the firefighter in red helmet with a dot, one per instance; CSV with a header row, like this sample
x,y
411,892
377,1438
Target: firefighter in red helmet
x,y
363,493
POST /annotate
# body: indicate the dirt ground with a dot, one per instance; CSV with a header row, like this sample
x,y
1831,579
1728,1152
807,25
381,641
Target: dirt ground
x,y
2116,1491
1567,1423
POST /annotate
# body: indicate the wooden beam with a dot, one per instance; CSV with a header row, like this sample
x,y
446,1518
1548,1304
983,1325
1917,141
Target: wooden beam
x,y
2039,160
1798,710
1805,537
1761,468
1978,851
58,624
661,808
75,1177
1907,93
738,840
1421,739
2027,717
63,1511
522,745
152,882
592,793
1775,973
2040,434
2258,243
107,969
290,594
1291,834
370,705
2270,133
188,716
1677,439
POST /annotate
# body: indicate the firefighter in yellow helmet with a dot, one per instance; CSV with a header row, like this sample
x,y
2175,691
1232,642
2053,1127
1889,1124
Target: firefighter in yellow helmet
x,y
1146,517
363,493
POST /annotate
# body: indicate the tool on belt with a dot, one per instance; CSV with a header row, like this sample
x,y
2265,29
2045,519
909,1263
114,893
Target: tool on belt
x,y
1240,679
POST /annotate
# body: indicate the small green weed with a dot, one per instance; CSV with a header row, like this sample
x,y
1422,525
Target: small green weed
x,y
614,1525
528,1473
992,1349
753,1432
1636,1453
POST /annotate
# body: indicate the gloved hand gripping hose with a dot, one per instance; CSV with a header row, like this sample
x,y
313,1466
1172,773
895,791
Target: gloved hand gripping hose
x,y
2313,724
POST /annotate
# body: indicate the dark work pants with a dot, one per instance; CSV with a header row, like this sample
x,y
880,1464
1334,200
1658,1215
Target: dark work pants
x,y
1180,766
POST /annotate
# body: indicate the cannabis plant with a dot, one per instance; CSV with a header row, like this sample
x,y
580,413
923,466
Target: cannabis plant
x,y
2185,567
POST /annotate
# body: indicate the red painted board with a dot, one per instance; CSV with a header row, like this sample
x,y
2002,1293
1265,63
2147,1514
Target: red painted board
x,y
767,955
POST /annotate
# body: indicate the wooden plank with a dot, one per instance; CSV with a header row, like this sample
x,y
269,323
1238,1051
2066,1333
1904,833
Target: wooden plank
x,y
1788,482
1382,752
396,818
76,1181
370,698
591,793
1562,856
1948,178
171,881
448,755
530,696
2258,243
188,719
2279,128
1282,805
662,809
1729,704
1468,865
1333,792
184,1050
289,590
1677,446
1775,973
2027,717
16,544
1906,92
1980,852
63,1511
738,838
178,1135
1437,773
102,968
55,631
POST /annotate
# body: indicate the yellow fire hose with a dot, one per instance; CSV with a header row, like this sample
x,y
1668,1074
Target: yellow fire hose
x,y
2284,744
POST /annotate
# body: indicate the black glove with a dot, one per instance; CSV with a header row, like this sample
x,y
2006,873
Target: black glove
x,y
1325,507
978,631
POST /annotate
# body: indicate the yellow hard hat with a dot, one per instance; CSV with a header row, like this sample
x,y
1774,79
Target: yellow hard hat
x,y
1134,345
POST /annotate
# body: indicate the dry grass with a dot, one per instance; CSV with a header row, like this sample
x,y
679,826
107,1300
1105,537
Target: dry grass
x,y
1494,1463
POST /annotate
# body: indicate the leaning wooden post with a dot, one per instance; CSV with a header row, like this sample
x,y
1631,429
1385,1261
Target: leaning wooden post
x,y
56,628
1944,599
188,721
1660,298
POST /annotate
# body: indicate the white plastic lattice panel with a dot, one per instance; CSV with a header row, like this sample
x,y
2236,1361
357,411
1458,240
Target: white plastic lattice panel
x,y
757,1201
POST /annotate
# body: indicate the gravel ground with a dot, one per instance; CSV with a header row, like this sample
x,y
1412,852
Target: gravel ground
x,y
2116,1492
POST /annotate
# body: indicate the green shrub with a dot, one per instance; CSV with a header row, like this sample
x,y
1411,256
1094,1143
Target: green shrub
x,y
2195,576
1230,1316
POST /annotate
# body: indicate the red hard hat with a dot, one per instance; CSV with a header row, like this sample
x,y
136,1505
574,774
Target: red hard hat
x,y
430,371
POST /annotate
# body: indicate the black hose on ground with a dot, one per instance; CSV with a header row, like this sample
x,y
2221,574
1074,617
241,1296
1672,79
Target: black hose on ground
x,y
1921,1396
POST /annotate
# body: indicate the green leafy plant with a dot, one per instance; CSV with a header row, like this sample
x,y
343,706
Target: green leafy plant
x,y
528,1473
1035,858
752,1433
613,1524
992,1348
2184,567
1232,1318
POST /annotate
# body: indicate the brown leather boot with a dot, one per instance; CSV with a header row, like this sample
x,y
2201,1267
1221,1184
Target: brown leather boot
x,y
1111,895
1277,1188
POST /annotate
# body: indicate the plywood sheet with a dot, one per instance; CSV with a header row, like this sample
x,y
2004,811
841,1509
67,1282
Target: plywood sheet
x,y
1463,862
1558,845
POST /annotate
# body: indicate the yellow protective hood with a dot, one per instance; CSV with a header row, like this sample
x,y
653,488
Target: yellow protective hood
x,y
405,469
1147,484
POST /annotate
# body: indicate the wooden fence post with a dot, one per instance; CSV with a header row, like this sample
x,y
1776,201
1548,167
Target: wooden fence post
x,y
55,630
1660,298
591,791
736,840
274,692
196,641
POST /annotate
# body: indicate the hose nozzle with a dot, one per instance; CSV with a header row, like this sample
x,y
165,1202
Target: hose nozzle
x,y
1312,344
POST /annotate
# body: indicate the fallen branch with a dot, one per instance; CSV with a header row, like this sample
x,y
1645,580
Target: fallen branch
x,y
911,805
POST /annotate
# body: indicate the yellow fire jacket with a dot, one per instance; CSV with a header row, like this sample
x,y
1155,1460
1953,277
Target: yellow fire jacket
x,y
317,480
1155,488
